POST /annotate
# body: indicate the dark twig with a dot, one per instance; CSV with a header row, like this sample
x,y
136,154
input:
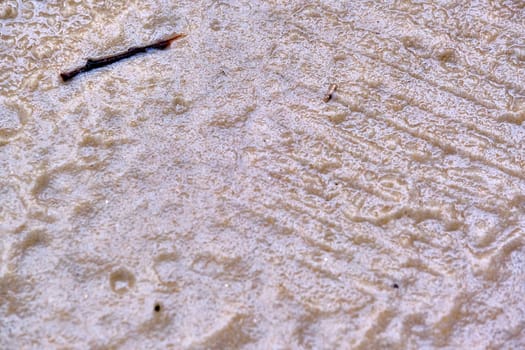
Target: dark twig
x,y
104,61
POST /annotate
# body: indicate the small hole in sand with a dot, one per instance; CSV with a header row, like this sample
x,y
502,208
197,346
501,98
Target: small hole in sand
x,y
121,280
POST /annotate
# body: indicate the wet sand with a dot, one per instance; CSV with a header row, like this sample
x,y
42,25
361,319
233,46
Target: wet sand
x,y
208,196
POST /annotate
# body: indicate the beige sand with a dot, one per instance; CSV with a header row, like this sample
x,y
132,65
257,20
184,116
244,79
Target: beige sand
x,y
206,197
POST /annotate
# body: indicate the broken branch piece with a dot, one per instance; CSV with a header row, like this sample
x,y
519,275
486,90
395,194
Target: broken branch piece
x,y
104,61
330,92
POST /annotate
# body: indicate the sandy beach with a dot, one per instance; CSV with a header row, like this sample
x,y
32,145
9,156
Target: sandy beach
x,y
288,175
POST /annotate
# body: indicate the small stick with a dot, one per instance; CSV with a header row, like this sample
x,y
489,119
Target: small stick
x,y
104,61
330,92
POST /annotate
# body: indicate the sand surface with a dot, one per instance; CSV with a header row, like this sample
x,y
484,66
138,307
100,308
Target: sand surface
x,y
208,196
